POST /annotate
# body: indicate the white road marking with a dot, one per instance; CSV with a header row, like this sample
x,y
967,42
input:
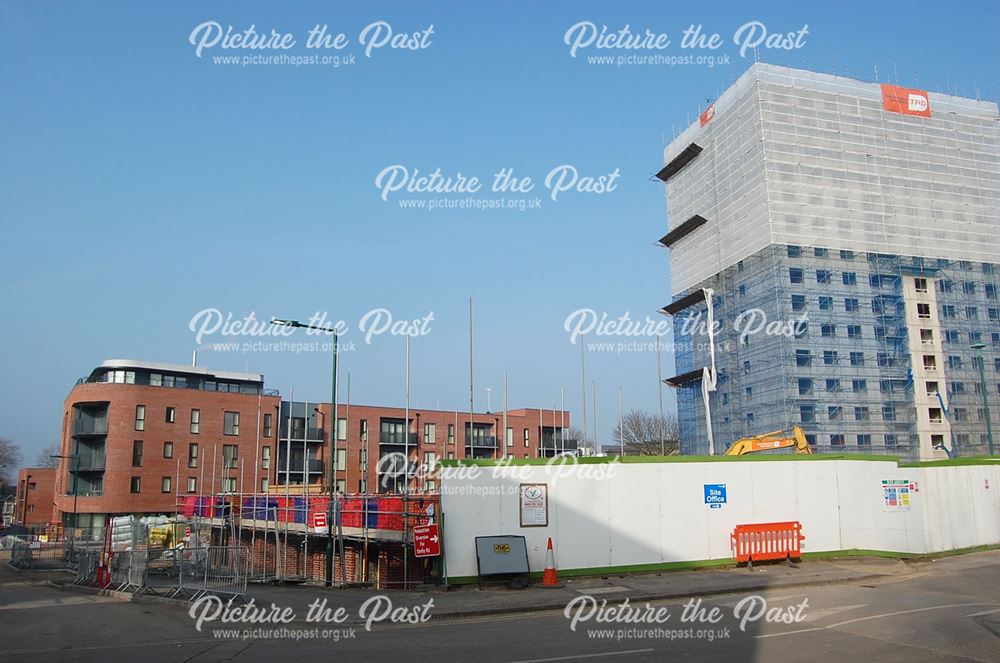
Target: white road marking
x,y
580,656
983,613
870,617
55,603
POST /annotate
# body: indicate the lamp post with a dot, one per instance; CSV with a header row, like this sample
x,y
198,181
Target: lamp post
x,y
76,475
978,347
332,462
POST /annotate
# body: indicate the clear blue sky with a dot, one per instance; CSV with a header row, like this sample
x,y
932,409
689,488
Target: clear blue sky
x,y
140,184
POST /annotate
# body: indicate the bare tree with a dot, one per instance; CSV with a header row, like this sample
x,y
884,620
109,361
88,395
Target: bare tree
x,y
10,458
45,457
646,434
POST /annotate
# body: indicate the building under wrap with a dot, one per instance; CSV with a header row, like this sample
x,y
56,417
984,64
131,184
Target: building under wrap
x,y
835,242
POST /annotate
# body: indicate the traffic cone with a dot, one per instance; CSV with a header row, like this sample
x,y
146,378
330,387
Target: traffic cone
x,y
549,577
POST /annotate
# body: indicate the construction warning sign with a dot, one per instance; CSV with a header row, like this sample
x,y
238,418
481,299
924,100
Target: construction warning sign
x,y
896,494
908,101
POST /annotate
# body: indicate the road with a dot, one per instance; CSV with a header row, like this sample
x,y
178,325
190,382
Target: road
x,y
948,610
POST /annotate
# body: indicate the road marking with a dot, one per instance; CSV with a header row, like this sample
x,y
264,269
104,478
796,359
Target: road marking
x,y
870,617
611,589
820,613
55,603
983,613
580,656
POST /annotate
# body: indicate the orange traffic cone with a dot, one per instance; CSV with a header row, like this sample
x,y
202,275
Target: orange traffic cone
x,y
549,577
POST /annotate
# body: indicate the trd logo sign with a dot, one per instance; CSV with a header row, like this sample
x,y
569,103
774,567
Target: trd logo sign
x,y
906,101
917,103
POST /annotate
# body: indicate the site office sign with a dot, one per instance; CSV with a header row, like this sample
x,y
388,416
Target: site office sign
x,y
908,101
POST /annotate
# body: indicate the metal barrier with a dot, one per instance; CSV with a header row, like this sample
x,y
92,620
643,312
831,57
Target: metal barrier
x,y
128,571
226,571
86,567
38,554
767,541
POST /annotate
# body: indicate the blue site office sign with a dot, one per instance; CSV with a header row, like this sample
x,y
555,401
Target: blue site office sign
x,y
715,495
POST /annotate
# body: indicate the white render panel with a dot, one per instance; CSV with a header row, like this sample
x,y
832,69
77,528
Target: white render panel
x,y
838,172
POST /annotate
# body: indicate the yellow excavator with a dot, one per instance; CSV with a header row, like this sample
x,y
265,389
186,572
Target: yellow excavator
x,y
778,439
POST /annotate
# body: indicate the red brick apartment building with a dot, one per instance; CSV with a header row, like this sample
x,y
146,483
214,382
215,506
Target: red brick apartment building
x,y
139,434
33,504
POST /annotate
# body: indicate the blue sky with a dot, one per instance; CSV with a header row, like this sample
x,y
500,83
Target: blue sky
x,y
140,184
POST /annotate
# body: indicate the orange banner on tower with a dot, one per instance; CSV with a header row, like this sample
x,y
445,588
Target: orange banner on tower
x,y
907,101
707,115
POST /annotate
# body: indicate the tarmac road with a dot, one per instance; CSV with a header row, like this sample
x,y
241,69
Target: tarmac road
x,y
948,610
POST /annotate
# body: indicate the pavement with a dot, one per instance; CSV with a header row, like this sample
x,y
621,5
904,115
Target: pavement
x,y
879,609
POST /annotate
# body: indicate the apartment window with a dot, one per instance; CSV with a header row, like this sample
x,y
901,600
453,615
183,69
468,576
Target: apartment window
x,y
837,440
140,417
429,461
794,275
749,417
229,484
930,363
509,437
748,392
168,449
794,251
859,386
889,412
807,414
920,284
195,421
169,417
857,359
851,304
829,330
363,429
850,278
341,460
341,486
923,311
968,288
803,358
927,336
192,485
746,366
363,460
451,455
824,276
798,302
265,458
165,485
526,443
263,485
993,314
741,289
847,255
934,414
451,433
932,388
959,414
825,303
829,357
135,485
833,412
832,384
864,440
430,433
739,266
137,453
853,331
231,423
971,312
991,291
883,359
801,330
890,441
861,413
229,455
267,425
950,336
819,252
948,311
805,386
341,429
192,455
954,362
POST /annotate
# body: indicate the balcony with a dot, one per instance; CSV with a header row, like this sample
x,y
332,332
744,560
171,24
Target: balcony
x,y
481,441
87,463
314,466
84,427
398,439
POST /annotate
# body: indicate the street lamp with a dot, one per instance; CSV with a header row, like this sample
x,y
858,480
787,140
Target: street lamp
x,y
332,462
978,347
76,476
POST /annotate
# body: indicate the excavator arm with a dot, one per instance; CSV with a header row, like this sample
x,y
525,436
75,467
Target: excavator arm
x,y
774,440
